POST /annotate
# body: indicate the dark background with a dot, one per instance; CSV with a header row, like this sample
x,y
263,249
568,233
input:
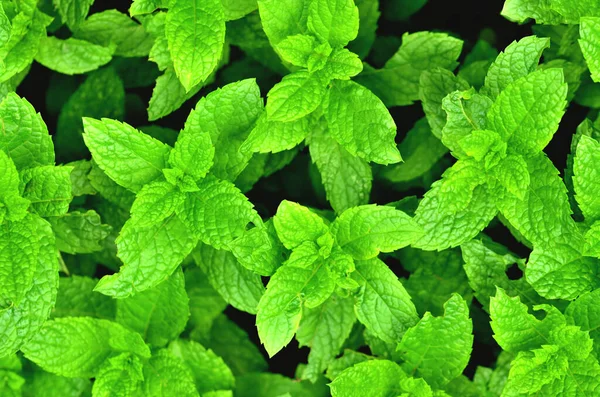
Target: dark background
x,y
464,19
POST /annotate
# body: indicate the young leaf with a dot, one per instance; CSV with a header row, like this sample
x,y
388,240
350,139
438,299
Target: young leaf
x,y
276,136
295,96
155,202
382,303
296,224
73,12
585,170
128,156
166,373
297,49
367,230
370,136
259,249
48,189
438,348
360,379
195,31
283,18
119,375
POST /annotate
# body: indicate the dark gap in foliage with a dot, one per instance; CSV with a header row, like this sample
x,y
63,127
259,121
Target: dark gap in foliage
x,y
485,348
500,234
513,272
560,145
395,266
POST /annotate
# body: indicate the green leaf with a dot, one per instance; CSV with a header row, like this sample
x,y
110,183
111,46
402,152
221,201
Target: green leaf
x,y
527,112
209,371
128,156
518,60
370,136
283,18
297,49
120,375
79,232
324,329
465,111
333,21
19,323
438,348
193,154
168,95
24,137
48,188
296,224
217,213
585,169
522,10
434,85
515,329
236,9
18,251
280,308
373,378
108,189
111,27
228,115
367,230
159,314
513,175
346,178
259,249
72,56
149,255
276,136
10,195
73,12
382,303
166,374
573,10
40,382
342,64
237,285
486,263
76,298
397,83
583,312
155,202
205,303
447,225
101,95
195,31
295,96
78,346
140,7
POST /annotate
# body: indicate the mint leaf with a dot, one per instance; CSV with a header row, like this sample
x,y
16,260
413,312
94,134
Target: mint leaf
x,y
295,96
281,19
228,115
574,10
367,230
24,137
79,232
73,12
259,249
168,95
584,170
237,285
159,315
522,10
324,329
518,60
78,346
397,83
236,9
297,49
342,64
276,136
76,298
166,373
217,213
359,380
382,303
370,137
526,114
155,202
48,189
438,348
149,255
128,156
120,374
333,21
114,28
195,32
82,56
337,166
513,175
296,224
590,30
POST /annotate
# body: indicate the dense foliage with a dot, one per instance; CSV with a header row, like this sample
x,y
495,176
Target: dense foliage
x,y
214,161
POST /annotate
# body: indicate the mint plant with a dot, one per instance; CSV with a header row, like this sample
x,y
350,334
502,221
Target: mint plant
x,y
298,198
